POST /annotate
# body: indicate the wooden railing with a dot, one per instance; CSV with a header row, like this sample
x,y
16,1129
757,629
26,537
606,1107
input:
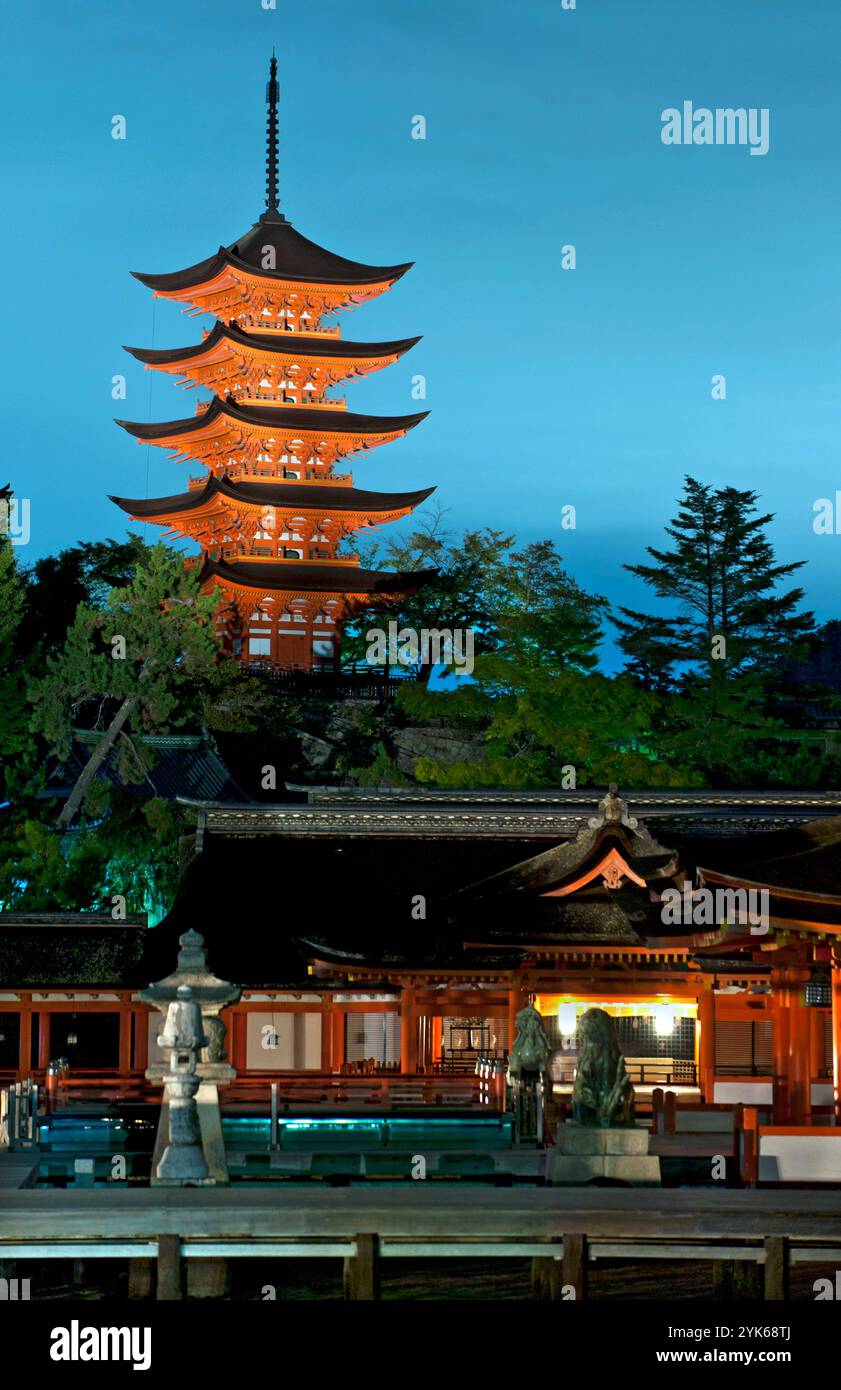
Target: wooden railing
x,y
383,1091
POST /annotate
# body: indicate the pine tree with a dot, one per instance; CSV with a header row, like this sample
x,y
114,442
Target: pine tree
x,y
726,628
137,657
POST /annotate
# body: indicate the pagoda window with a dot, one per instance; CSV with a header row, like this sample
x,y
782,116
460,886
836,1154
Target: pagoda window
x,y
259,646
257,616
299,617
291,473
292,554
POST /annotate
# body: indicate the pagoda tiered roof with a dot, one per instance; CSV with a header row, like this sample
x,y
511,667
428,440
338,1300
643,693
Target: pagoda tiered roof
x,y
229,354
333,579
295,256
235,279
226,429
287,497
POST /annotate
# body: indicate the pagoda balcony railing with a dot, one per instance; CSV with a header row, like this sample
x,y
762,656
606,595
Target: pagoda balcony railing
x,y
333,685
272,398
260,325
244,473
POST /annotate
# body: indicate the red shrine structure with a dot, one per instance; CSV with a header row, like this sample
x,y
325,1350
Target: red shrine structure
x,y
270,513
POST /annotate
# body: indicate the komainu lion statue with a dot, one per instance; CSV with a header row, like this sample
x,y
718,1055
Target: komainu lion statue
x,y
529,1056
602,1095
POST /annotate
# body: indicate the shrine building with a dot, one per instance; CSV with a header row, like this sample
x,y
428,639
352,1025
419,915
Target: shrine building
x,y
399,933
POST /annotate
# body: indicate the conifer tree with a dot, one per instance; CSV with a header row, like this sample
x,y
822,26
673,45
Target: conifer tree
x,y
727,626
137,657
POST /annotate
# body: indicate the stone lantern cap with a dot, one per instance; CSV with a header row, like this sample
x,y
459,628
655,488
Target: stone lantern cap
x,y
208,990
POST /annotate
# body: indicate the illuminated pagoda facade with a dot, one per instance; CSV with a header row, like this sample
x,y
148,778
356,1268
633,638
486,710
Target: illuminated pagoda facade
x,y
270,512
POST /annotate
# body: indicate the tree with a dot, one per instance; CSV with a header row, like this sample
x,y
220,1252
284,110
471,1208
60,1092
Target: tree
x,y
727,626
83,573
543,728
519,602
135,661
721,581
14,716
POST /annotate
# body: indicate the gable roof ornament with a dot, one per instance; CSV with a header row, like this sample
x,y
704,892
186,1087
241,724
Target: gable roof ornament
x,y
613,810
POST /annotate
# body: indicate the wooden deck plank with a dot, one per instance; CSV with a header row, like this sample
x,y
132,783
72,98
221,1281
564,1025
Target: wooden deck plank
x,y
460,1212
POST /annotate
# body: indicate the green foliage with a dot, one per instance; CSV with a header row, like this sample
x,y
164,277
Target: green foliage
x,y
382,772
540,727
719,579
725,633
122,846
163,624
14,733
521,602
82,574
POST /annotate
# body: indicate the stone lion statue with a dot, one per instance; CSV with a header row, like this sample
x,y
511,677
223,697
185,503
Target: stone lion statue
x,y
602,1095
530,1052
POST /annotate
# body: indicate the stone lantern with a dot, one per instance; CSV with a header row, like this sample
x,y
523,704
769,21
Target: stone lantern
x,y
182,1162
210,995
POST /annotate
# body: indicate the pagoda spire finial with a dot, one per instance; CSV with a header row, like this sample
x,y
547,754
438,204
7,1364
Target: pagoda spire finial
x,y
272,99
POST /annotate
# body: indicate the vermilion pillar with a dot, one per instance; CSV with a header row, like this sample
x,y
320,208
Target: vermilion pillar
x,y
141,1039
780,1030
337,1039
408,1032
44,1039
25,1056
706,1045
326,1035
816,1059
836,1033
124,1063
799,1051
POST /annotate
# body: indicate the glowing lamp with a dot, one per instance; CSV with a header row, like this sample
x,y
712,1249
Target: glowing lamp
x,y
567,1018
664,1020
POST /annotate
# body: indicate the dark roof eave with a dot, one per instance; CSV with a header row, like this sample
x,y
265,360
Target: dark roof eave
x,y
315,576
283,343
304,495
305,418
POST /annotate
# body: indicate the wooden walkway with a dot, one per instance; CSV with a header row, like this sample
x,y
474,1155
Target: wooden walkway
x,y
562,1231
436,1211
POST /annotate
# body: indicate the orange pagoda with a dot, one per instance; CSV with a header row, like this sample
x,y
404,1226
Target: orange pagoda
x,y
270,514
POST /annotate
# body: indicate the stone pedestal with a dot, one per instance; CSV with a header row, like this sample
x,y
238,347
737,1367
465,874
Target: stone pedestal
x,y
212,1075
582,1154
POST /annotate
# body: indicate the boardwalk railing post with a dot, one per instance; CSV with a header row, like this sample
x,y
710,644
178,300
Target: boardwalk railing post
x,y
12,1118
362,1270
776,1268
670,1113
657,1110
575,1264
273,1135
140,1278
170,1268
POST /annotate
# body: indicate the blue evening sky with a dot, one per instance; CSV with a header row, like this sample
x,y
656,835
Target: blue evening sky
x,y
588,387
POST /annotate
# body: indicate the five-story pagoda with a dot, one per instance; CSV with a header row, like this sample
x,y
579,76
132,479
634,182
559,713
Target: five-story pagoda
x,y
270,513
